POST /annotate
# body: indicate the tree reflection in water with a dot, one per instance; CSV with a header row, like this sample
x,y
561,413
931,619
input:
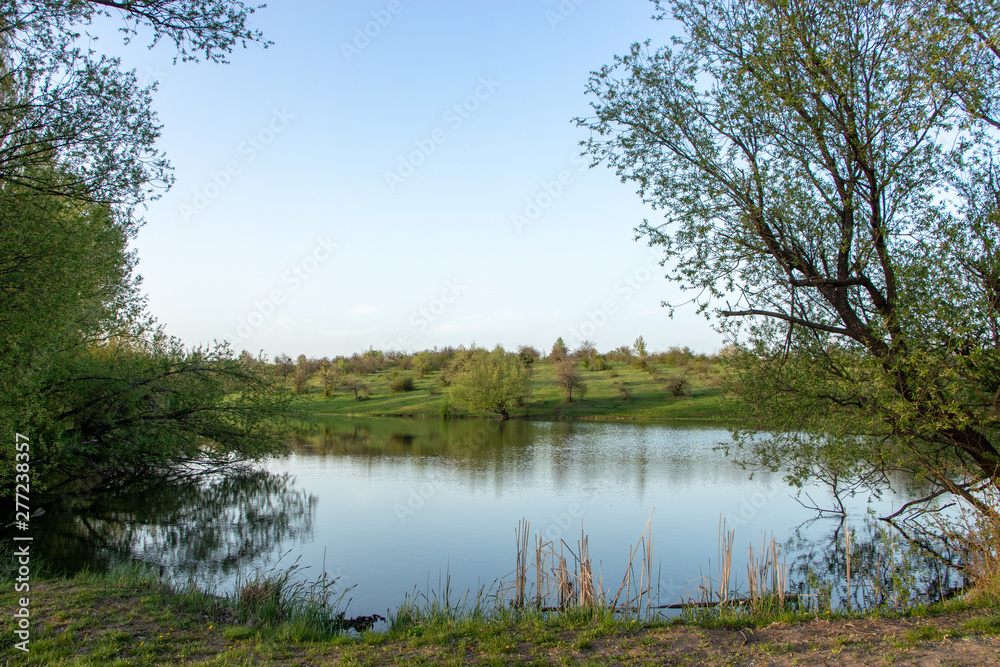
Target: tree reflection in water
x,y
202,528
890,566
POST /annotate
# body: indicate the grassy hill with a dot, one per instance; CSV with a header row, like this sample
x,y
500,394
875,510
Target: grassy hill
x,y
648,394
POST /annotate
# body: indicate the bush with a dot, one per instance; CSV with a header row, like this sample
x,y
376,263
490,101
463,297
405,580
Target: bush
x,y
679,386
623,391
360,388
401,383
528,355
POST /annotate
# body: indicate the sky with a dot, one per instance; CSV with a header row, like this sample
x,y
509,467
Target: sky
x,y
402,175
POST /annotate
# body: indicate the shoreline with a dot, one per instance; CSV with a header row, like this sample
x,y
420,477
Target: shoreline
x,y
129,617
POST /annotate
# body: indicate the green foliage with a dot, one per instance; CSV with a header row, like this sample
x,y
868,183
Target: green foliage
x,y
328,374
679,386
649,398
528,355
559,350
626,395
493,382
423,363
828,169
457,364
65,105
402,383
84,373
568,377
600,363
284,365
361,390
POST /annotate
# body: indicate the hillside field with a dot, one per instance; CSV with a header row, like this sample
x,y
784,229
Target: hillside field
x,y
651,394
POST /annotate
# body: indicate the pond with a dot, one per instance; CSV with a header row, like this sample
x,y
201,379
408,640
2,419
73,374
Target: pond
x,y
411,506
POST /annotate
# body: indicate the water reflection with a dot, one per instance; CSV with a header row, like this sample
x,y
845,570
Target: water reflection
x,y
504,454
390,505
888,569
198,528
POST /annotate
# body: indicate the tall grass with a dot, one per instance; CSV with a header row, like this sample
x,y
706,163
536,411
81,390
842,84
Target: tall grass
x,y
279,597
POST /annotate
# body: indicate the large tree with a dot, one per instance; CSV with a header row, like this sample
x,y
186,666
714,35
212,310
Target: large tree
x,y
63,104
826,170
493,382
84,371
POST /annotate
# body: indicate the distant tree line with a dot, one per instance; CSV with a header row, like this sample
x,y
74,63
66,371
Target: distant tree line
x,y
490,381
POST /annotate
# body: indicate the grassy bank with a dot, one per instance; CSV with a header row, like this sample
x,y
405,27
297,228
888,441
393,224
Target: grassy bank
x,y
623,392
128,617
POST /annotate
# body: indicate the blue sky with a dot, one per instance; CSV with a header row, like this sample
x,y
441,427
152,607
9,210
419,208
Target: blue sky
x,y
402,175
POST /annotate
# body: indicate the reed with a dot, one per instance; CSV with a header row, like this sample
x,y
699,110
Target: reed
x,y
643,583
847,559
767,577
564,576
521,568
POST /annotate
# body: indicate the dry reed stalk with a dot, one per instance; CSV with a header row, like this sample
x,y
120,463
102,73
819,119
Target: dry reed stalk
x,y
725,559
539,571
565,585
649,568
586,574
753,567
521,569
780,580
847,551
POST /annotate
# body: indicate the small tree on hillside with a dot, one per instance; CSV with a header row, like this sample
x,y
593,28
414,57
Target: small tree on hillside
x,y
284,364
301,373
328,375
422,362
559,350
360,388
568,377
528,355
493,382
585,352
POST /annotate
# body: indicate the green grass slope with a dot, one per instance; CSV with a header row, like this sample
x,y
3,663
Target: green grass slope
x,y
649,394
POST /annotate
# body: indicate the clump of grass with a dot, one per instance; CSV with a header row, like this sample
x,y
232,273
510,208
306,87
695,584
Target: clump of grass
x,y
987,625
282,598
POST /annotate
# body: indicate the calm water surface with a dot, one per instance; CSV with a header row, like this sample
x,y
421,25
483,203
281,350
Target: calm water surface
x,y
395,506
